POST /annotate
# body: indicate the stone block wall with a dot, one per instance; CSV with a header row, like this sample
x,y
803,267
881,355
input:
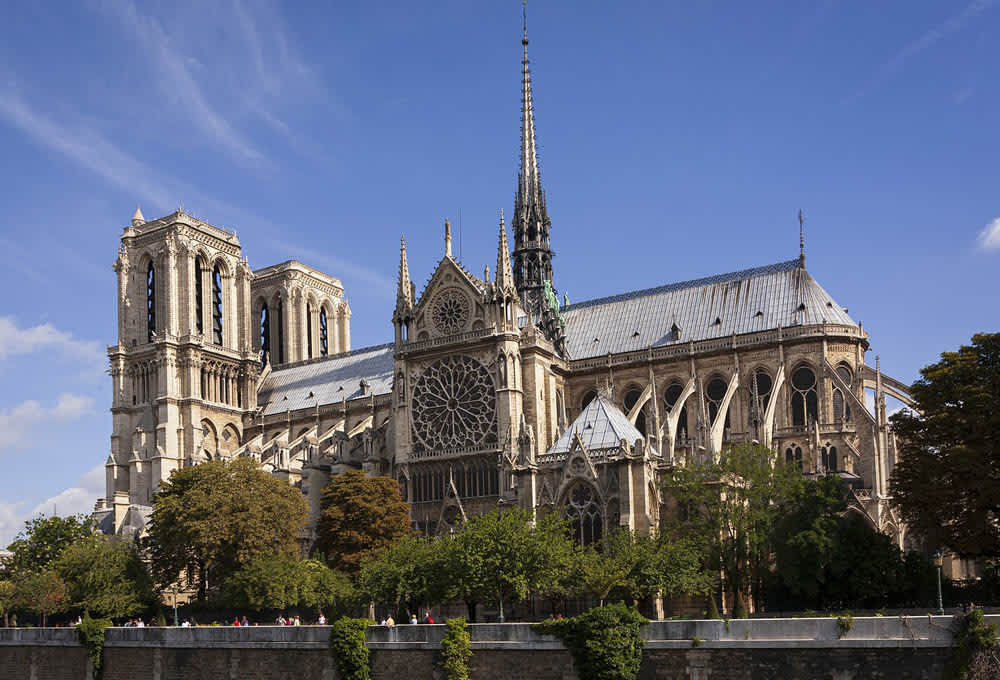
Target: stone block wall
x,y
759,649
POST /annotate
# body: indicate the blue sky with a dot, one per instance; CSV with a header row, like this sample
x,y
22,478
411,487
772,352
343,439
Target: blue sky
x,y
676,140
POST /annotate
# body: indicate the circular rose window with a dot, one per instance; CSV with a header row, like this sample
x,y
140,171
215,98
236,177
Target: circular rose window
x,y
454,406
450,312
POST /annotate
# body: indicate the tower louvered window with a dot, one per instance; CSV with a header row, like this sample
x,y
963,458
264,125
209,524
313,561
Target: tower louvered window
x,y
281,331
150,301
217,304
309,332
324,337
265,334
199,292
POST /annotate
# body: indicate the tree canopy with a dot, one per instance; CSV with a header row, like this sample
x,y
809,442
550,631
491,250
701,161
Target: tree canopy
x,y
211,519
42,541
359,515
105,576
280,581
947,481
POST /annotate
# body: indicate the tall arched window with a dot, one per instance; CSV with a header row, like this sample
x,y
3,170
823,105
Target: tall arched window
x,y
265,334
715,393
828,456
309,331
150,301
324,333
804,401
670,397
759,393
793,454
199,293
841,409
631,398
280,320
583,514
587,398
217,304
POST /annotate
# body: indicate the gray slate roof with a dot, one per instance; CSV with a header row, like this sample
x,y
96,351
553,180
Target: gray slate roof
x,y
329,380
601,425
746,301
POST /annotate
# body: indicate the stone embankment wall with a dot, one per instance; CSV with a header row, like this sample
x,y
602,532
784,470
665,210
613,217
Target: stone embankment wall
x,y
755,649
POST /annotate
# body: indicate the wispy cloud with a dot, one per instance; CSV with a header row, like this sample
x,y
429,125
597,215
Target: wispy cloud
x,y
926,41
77,499
86,147
16,340
989,237
17,422
177,82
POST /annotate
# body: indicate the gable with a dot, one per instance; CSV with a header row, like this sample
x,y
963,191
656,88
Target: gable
x,y
451,303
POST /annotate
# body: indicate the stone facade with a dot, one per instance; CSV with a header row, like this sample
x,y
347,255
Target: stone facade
x,y
492,391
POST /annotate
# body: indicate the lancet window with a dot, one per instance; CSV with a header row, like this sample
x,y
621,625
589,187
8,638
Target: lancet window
x,y
217,304
309,331
199,292
670,397
804,400
715,393
793,454
828,456
281,331
265,334
631,398
841,409
150,301
324,333
587,398
584,514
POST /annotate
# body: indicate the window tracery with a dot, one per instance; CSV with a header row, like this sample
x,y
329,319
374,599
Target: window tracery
x,y
450,312
217,304
584,514
265,334
841,409
454,406
199,292
324,333
150,301
715,393
804,400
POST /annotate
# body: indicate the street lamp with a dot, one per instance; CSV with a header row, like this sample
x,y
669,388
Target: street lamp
x,y
173,588
937,563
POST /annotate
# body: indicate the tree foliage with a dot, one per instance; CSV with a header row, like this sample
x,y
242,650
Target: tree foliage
x,y
605,642
281,581
359,515
350,653
947,481
210,519
730,507
43,539
406,573
42,592
456,650
105,576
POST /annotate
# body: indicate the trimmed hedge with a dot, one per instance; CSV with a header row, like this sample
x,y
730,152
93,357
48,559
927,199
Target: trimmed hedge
x,y
605,642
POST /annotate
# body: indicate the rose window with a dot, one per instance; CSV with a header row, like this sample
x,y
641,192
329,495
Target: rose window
x,y
450,312
454,406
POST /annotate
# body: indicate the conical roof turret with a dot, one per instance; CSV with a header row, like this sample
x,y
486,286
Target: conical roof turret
x,y
404,290
505,275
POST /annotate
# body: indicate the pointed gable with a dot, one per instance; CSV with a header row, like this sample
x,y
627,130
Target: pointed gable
x,y
600,426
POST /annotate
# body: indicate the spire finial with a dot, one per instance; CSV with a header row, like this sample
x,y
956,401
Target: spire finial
x,y
524,22
802,241
137,218
447,238
505,274
404,293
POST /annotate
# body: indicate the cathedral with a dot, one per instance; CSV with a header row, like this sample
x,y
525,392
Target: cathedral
x,y
492,392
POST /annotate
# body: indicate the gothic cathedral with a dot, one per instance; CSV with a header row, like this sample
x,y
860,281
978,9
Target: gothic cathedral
x,y
493,392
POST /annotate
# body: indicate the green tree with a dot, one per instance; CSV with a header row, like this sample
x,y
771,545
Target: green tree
x,y
210,519
282,580
406,573
359,515
6,600
730,506
947,481
43,539
41,592
105,576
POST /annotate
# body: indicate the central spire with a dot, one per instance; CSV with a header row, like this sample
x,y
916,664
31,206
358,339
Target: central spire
x,y
530,221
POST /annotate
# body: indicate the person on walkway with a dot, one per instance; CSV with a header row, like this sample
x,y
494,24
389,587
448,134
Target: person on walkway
x,y
244,622
389,621
321,621
428,618
296,621
413,618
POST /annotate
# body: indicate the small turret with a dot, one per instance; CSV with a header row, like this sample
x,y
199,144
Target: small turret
x,y
137,219
404,296
505,275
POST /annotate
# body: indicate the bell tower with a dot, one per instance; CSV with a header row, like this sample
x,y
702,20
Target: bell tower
x,y
184,371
